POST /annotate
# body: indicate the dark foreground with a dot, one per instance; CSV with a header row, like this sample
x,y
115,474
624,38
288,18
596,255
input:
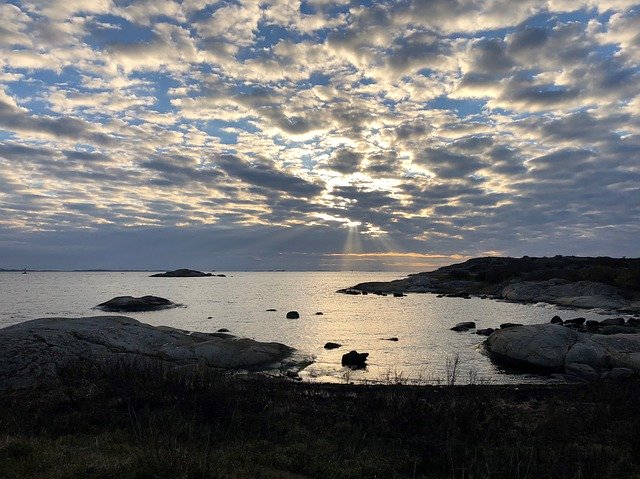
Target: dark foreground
x,y
161,424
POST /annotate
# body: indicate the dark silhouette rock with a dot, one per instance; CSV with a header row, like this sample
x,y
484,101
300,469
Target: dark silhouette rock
x,y
319,313
364,293
390,339
464,326
509,325
592,324
222,330
130,304
271,310
575,321
331,345
613,321
209,317
181,273
633,322
293,315
485,332
221,275
355,360
556,320
398,295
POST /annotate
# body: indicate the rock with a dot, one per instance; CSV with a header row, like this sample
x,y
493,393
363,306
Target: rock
x,y
331,345
293,315
592,324
613,321
271,310
613,329
618,375
556,320
364,293
221,275
222,330
575,321
539,345
485,332
181,273
633,322
354,292
509,325
390,339
553,346
398,295
354,359
464,326
34,353
319,313
582,371
209,317
130,304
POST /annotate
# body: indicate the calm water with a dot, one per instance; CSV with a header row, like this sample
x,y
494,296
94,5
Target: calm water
x,y
238,303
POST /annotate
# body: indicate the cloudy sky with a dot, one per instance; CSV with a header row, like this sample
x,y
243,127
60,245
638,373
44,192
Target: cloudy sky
x,y
304,134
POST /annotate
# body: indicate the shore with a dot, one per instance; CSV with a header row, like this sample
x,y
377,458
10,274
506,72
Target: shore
x,y
130,422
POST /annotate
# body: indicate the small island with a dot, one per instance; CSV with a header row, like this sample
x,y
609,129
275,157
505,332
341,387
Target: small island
x,y
181,273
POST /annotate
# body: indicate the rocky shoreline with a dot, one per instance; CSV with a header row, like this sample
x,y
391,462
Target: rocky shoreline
x,y
576,282
35,353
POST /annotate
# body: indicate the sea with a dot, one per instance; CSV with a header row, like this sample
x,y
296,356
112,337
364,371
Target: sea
x,y
426,352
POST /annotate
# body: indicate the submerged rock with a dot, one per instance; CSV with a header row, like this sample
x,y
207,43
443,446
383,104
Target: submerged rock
x,y
293,315
129,304
331,345
319,313
271,310
485,332
181,273
354,359
390,339
35,352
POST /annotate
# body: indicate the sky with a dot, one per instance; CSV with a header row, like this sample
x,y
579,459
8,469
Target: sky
x,y
316,134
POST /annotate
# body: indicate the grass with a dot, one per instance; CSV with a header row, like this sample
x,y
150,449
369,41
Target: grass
x,y
154,422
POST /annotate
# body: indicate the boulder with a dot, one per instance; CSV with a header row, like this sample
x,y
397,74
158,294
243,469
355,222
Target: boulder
x,y
270,310
35,352
539,345
575,321
319,313
509,325
464,326
222,330
390,339
181,273
221,275
633,322
398,295
593,324
556,320
355,360
612,329
331,345
485,332
293,315
613,321
553,346
129,304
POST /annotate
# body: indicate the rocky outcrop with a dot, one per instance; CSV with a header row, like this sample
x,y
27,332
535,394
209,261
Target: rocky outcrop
x,y
581,294
560,348
36,352
129,304
182,273
604,283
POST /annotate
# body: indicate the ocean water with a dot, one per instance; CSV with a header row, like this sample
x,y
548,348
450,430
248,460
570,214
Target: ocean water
x,y
425,351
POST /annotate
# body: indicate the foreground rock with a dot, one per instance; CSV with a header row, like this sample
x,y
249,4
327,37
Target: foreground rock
x,y
129,304
558,348
36,352
355,360
464,326
604,283
182,273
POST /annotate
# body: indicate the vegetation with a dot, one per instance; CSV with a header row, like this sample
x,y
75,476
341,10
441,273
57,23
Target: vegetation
x,y
155,422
